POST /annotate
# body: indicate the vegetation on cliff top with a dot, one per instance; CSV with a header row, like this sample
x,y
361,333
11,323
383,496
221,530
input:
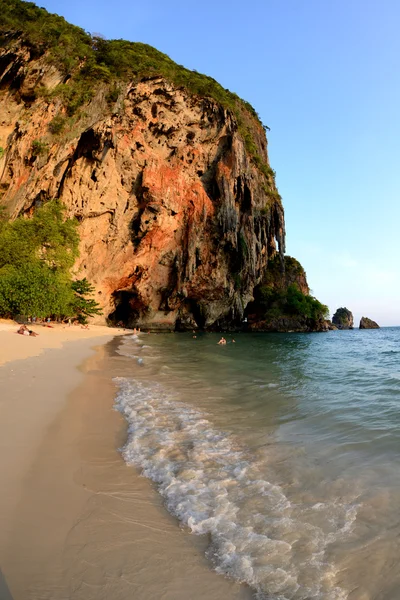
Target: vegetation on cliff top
x,y
36,257
85,60
280,296
290,302
343,318
71,48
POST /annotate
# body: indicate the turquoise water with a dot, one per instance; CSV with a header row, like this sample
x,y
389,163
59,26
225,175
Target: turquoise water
x,y
283,449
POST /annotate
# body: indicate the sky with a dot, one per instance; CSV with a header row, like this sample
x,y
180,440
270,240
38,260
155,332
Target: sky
x,y
325,77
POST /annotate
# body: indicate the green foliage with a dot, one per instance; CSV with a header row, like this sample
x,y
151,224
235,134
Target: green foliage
x,y
84,307
34,289
57,125
75,94
2,152
280,294
88,60
341,316
68,44
291,302
39,148
113,94
298,303
36,256
276,277
293,268
47,238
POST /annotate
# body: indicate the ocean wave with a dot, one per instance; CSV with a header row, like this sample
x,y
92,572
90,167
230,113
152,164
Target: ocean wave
x,y
132,347
215,487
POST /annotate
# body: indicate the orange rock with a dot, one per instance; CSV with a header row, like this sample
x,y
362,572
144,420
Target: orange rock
x,y
176,224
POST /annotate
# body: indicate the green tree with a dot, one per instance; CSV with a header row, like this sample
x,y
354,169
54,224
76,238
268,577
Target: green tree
x,y
82,306
34,289
47,237
36,257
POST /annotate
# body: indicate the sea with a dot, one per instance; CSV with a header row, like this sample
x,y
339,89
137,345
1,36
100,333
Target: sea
x,y
281,450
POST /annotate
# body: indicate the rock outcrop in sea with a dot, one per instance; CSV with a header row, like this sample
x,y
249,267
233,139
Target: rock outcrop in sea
x,y
343,319
366,323
167,172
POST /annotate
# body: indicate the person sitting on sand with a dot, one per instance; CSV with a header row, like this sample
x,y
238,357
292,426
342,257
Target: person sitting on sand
x,y
23,330
222,341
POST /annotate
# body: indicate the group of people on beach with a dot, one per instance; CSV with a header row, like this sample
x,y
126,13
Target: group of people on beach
x,y
23,330
37,321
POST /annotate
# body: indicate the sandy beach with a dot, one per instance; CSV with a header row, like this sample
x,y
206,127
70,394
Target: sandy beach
x,y
75,521
17,347
38,375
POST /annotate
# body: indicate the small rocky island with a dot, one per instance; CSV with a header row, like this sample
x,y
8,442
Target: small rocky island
x,y
343,319
366,323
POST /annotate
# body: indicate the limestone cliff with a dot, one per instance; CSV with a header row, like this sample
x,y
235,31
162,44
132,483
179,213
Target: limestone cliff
x,y
366,323
282,301
177,220
343,318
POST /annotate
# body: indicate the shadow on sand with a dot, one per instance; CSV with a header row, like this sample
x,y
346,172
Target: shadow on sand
x,y
5,593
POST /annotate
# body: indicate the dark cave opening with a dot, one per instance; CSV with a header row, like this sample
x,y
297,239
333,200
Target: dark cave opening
x,y
125,313
196,310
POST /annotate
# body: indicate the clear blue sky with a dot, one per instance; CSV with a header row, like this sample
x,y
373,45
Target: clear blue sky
x,y
325,77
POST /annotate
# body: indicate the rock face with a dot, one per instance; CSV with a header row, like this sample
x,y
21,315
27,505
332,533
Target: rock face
x,y
343,319
366,323
282,301
288,324
177,222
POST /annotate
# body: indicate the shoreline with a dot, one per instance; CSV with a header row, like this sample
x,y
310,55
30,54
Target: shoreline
x,y
75,521
14,347
35,386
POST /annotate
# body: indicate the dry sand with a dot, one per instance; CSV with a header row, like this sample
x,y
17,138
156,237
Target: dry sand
x,y
17,347
33,391
75,522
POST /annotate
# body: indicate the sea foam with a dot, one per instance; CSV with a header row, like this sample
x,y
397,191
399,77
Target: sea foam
x,y
215,487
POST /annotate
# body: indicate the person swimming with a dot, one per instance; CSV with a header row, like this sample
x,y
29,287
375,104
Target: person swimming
x,y
222,342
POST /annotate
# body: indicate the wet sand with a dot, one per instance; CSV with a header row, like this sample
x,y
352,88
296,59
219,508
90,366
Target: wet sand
x,y
75,521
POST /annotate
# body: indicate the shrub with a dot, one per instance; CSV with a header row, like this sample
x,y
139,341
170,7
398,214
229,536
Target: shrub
x,y
298,303
277,298
113,95
57,125
39,148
